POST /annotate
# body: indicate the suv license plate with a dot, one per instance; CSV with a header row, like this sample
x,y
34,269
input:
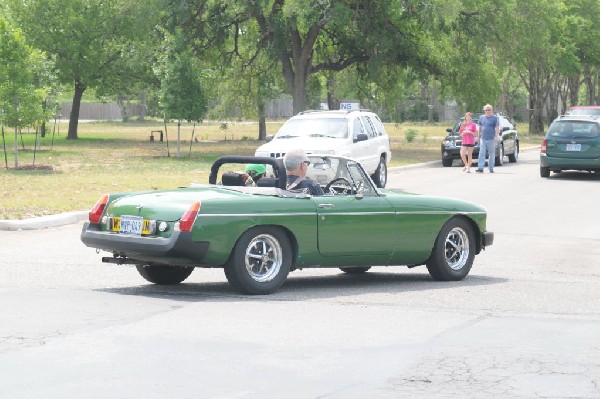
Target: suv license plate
x,y
573,147
131,225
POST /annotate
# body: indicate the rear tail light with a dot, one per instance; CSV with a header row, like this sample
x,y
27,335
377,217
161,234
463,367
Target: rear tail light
x,y
98,209
187,220
544,145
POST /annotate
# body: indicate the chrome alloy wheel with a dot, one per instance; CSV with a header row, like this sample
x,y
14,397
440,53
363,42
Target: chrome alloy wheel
x,y
457,248
264,257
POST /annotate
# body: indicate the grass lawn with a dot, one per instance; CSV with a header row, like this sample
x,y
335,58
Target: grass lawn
x,y
70,175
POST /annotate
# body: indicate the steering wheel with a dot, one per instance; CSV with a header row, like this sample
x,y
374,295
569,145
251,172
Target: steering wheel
x,y
339,186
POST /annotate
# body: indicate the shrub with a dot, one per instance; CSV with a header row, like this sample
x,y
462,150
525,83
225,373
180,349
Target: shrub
x,y
410,135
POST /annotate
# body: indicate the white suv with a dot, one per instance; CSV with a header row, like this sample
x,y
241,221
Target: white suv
x,y
358,134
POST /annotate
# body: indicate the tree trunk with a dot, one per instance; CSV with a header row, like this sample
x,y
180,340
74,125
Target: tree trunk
x,y
262,124
332,101
43,126
299,91
16,148
143,104
74,118
574,85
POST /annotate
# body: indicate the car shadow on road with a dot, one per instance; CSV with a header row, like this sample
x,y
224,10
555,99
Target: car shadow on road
x,y
299,287
574,176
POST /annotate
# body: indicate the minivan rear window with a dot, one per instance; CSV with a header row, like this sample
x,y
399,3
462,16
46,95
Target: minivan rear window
x,y
584,111
574,129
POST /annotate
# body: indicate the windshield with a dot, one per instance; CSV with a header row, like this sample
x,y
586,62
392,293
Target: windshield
x,y
325,169
574,129
321,127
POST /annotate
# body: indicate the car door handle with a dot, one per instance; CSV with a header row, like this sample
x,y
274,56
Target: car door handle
x,y
326,206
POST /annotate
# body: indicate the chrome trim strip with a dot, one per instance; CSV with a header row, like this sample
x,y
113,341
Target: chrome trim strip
x,y
340,213
440,213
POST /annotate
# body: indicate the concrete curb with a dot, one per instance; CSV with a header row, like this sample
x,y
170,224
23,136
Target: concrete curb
x,y
44,221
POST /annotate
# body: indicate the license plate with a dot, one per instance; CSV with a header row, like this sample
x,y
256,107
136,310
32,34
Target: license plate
x,y
133,225
573,147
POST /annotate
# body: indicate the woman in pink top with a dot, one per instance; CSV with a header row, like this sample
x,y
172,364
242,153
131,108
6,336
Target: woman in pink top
x,y
467,130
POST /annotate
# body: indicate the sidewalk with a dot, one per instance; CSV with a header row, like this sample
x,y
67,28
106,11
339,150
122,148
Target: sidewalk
x,y
44,221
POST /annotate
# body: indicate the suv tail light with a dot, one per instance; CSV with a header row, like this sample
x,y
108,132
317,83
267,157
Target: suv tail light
x,y
96,212
187,220
544,145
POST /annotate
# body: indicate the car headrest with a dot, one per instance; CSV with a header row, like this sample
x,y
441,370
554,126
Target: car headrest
x,y
232,179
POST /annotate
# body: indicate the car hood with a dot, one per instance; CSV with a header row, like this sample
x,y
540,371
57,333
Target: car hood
x,y
315,145
169,205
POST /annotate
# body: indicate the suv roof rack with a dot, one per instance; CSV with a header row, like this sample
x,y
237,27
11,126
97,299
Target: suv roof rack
x,y
345,111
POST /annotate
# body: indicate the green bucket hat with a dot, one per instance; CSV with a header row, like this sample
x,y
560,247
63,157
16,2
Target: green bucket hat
x,y
257,168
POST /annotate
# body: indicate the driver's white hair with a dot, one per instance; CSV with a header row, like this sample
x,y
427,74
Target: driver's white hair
x,y
294,158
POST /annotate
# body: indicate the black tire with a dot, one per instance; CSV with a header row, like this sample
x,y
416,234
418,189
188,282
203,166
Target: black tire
x,y
514,157
447,162
453,252
355,270
500,158
380,175
164,275
544,172
260,261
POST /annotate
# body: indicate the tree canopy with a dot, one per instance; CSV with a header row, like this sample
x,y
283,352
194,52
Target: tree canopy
x,y
241,53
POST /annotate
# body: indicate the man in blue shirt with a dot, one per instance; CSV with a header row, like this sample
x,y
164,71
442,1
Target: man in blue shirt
x,y
488,129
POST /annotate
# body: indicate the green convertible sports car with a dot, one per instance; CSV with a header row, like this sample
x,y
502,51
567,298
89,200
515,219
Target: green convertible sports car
x,y
258,233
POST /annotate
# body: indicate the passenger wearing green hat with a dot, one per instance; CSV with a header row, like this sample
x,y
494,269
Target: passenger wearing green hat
x,y
255,171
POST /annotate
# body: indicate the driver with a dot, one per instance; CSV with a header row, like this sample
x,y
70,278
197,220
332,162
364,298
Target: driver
x,y
296,163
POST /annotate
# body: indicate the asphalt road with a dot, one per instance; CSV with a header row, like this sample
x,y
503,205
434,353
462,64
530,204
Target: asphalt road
x,y
524,324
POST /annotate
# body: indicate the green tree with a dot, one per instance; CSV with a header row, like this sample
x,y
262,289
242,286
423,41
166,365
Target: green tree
x,y
182,95
531,32
307,38
91,40
20,99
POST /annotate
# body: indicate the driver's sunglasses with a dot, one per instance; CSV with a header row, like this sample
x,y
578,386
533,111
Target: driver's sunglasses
x,y
306,162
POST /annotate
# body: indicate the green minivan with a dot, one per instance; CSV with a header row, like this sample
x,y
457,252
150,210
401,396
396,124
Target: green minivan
x,y
572,143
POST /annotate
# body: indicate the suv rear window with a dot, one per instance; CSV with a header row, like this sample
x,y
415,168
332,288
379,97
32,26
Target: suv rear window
x,y
574,129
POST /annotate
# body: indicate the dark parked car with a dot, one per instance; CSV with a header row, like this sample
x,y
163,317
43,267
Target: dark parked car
x,y
572,143
508,142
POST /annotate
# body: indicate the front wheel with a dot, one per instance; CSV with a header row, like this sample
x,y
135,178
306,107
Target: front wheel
x,y
447,162
514,157
380,175
500,158
164,275
453,251
260,261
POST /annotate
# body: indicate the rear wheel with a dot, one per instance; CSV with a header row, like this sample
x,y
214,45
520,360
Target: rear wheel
x,y
380,175
544,172
164,275
453,252
260,261
355,270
